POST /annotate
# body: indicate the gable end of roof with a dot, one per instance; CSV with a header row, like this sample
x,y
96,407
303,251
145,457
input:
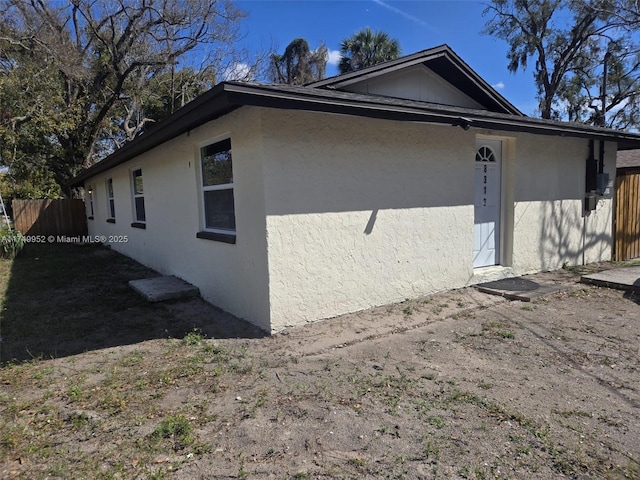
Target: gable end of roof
x,y
444,62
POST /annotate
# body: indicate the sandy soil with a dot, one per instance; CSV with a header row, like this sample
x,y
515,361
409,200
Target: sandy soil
x,y
456,385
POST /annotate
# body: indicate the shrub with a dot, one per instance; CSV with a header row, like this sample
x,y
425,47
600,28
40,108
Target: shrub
x,y
11,242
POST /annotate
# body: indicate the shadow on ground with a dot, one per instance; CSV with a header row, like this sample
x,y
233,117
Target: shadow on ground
x,y
65,299
634,296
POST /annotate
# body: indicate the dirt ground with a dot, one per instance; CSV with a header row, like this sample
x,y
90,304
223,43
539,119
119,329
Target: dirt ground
x,y
458,385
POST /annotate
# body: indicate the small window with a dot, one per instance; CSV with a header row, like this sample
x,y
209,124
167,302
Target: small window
x,y
111,204
90,200
138,197
217,188
485,154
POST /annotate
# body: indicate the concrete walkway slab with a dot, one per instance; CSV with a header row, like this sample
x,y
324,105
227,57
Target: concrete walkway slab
x,y
157,289
623,278
520,288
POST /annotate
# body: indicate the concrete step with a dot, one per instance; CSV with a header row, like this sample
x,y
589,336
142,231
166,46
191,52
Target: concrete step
x,y
158,289
519,288
623,278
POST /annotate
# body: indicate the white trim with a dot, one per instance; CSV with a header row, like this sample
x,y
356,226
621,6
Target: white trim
x,y
90,190
209,188
496,148
219,186
217,139
135,196
110,197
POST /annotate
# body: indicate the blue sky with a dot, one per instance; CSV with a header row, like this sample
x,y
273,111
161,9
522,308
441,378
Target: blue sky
x,y
416,24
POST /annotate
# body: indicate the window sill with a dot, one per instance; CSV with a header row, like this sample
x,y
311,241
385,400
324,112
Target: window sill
x,y
218,237
139,225
111,220
90,218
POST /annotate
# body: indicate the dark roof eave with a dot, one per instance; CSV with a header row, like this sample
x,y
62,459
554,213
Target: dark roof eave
x,y
187,118
228,96
272,98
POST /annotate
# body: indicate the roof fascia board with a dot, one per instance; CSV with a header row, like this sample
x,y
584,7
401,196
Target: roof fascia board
x,y
424,57
375,70
480,82
227,97
249,95
187,118
381,71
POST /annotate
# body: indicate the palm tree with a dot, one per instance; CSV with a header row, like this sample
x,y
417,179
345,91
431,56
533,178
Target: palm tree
x,y
366,48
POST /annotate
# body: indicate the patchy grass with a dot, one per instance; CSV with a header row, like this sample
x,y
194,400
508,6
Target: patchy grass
x,y
112,387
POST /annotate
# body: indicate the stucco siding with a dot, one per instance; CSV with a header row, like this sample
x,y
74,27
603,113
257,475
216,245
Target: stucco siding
x,y
338,213
363,212
233,277
550,226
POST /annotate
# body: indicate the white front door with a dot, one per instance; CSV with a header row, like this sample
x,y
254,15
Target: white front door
x,y
486,230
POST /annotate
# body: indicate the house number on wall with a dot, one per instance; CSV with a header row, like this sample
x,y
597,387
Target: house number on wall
x,y
484,154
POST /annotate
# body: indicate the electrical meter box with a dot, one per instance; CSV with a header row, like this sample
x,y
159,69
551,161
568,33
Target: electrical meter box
x,y
590,202
604,185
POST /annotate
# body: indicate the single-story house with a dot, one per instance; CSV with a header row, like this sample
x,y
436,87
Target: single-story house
x,y
290,204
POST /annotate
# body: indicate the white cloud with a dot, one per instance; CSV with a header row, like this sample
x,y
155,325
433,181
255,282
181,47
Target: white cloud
x,y
237,71
334,57
499,86
400,12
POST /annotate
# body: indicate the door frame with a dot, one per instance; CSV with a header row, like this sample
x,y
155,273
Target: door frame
x,y
507,197
495,218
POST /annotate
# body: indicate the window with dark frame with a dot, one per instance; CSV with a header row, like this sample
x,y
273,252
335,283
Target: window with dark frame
x,y
138,196
111,204
217,188
90,191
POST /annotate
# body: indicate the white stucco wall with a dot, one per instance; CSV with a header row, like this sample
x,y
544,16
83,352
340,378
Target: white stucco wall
x,y
336,214
551,228
364,212
233,277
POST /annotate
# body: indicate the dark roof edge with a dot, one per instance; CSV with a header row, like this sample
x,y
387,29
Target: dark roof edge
x,y
186,118
483,84
443,50
369,71
382,107
228,96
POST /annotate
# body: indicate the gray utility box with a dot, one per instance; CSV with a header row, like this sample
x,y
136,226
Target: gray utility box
x,y
604,184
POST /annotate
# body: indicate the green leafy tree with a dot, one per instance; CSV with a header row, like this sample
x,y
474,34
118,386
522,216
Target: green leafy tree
x,y
298,64
366,48
151,97
30,110
76,76
569,42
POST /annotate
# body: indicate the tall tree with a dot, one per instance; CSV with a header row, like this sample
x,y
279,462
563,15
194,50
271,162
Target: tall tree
x,y
298,64
90,59
571,41
365,49
151,97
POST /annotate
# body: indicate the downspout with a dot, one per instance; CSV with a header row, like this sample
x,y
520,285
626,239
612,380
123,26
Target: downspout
x,y
592,166
601,157
584,238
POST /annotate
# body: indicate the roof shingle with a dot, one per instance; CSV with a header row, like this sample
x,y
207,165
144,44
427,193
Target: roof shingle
x,y
628,158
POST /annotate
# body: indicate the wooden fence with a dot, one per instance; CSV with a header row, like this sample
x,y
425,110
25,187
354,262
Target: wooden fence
x,y
627,215
50,217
